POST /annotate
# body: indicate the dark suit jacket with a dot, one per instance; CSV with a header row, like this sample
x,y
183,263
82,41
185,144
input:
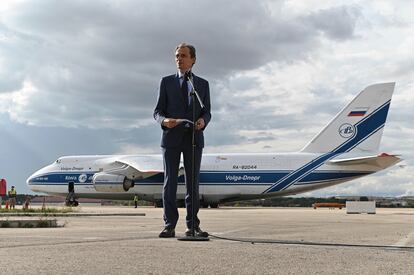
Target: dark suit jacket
x,y
171,104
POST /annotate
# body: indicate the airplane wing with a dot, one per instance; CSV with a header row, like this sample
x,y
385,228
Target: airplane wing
x,y
383,161
139,167
121,172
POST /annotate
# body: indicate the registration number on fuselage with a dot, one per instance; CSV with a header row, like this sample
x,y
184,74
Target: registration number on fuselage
x,y
244,167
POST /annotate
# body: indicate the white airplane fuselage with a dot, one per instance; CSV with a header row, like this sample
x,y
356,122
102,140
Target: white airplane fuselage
x,y
346,149
223,177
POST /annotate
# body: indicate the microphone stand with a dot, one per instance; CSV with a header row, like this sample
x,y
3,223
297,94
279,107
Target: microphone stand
x,y
194,95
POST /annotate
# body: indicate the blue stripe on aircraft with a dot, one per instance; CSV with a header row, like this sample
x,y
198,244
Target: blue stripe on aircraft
x,y
62,177
299,173
222,178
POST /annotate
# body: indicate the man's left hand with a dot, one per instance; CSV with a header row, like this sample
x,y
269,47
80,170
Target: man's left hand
x,y
200,124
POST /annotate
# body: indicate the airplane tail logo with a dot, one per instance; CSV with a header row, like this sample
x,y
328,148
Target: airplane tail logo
x,y
347,130
359,126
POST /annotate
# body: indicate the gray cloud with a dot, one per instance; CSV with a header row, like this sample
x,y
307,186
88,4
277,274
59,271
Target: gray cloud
x,y
102,60
337,23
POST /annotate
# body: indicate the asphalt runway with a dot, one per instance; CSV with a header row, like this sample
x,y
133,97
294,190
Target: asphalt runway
x,y
269,241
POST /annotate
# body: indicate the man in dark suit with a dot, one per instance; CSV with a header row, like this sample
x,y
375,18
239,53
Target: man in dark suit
x,y
175,104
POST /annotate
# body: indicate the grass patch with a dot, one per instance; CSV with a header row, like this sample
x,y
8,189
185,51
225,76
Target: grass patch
x,y
26,225
43,224
49,210
40,223
5,224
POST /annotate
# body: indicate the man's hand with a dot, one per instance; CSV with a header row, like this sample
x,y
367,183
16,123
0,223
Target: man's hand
x,y
200,124
169,122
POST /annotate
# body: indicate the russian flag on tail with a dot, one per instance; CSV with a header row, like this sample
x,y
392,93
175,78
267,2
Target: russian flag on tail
x,y
358,112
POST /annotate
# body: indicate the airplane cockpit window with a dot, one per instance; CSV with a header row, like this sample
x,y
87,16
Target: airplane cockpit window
x,y
58,161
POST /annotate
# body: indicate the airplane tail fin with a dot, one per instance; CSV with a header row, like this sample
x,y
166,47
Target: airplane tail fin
x,y
359,126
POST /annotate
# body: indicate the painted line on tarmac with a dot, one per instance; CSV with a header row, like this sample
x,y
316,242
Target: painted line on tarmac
x,y
71,214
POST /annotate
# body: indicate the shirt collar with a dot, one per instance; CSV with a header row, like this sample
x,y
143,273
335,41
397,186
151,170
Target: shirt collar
x,y
180,74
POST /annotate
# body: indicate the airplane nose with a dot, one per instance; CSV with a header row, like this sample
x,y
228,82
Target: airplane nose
x,y
37,177
40,179
29,179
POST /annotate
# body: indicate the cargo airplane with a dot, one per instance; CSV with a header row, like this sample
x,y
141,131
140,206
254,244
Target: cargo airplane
x,y
346,149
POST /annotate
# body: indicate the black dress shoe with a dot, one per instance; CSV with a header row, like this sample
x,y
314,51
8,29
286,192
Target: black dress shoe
x,y
197,232
168,232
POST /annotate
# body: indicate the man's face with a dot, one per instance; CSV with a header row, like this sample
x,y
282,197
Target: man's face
x,y
183,59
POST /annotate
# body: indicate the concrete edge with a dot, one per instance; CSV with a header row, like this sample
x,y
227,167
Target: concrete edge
x,y
68,214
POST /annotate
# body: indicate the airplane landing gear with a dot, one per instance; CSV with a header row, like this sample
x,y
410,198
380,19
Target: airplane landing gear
x,y
70,198
72,203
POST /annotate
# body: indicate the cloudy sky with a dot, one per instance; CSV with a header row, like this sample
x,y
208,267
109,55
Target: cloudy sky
x,y
81,77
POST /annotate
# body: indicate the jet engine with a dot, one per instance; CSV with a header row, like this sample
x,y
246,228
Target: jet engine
x,y
104,182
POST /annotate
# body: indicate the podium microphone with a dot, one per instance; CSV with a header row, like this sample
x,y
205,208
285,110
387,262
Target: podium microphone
x,y
188,76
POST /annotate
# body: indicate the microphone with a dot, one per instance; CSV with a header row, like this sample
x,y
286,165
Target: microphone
x,y
188,77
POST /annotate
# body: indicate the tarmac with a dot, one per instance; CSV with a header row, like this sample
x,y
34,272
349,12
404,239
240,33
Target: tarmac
x,y
264,241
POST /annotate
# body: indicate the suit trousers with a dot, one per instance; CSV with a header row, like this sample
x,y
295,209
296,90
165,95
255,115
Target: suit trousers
x,y
171,168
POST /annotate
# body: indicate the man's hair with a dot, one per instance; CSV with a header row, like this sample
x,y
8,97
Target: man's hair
x,y
190,47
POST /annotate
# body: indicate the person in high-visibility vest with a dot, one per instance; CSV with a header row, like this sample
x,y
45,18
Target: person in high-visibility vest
x,y
12,197
136,201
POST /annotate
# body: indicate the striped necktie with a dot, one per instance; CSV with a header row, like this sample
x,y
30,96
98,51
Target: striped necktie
x,y
184,90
